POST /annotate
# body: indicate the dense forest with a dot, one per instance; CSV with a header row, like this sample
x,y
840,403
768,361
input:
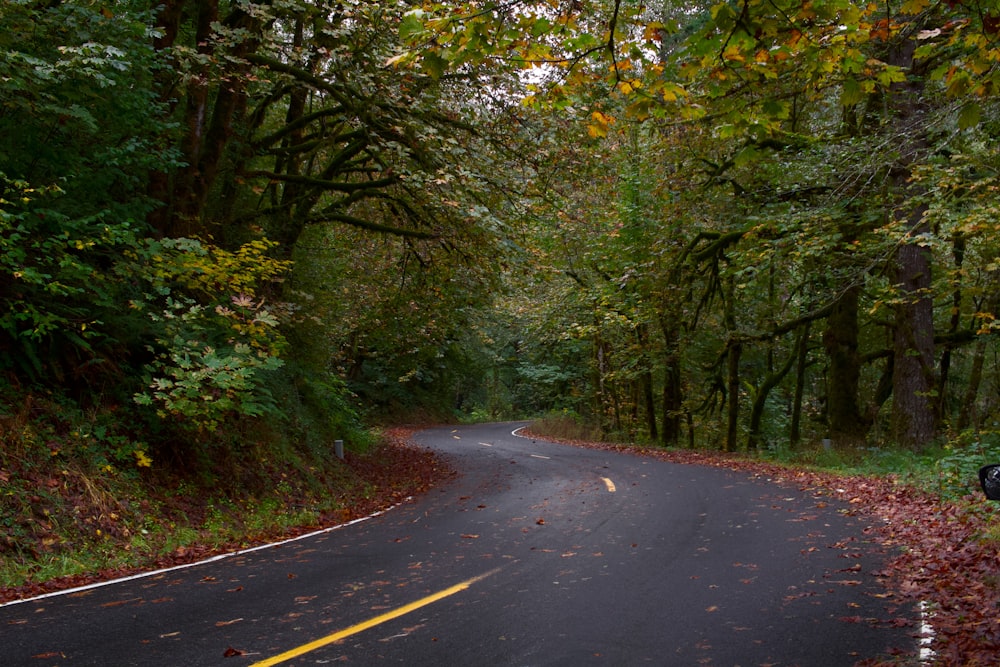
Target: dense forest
x,y
735,225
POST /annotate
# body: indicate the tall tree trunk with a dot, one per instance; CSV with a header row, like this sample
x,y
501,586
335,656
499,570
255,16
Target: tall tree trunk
x,y
646,383
958,254
600,390
913,422
968,415
771,381
209,108
795,432
734,350
840,340
913,383
168,21
733,355
184,198
673,399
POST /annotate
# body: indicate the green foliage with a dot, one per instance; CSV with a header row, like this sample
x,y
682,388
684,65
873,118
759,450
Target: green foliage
x,y
80,126
57,297
949,470
953,471
215,338
316,409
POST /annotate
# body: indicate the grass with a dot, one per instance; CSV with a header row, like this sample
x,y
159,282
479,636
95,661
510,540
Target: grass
x,y
138,539
75,499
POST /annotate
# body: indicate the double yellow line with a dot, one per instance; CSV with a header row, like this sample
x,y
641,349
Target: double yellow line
x,y
372,622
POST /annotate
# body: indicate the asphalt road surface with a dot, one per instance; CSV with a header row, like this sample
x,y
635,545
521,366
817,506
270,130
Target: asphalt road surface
x,y
538,554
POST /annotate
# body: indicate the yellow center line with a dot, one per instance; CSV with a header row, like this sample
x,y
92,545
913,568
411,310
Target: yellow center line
x,y
608,483
371,623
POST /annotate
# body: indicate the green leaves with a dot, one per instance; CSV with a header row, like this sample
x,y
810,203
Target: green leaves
x,y
216,336
969,116
411,28
851,92
204,386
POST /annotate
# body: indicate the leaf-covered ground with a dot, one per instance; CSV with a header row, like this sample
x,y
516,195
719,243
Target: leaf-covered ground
x,y
937,557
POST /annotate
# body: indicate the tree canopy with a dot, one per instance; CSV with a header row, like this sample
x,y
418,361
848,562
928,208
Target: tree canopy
x,y
723,224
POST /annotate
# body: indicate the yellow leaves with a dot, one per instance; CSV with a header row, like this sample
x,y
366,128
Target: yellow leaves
x,y
733,53
914,6
670,92
398,60
600,124
142,459
629,87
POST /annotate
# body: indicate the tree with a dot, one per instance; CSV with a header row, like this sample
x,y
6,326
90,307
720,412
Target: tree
x,y
80,131
838,94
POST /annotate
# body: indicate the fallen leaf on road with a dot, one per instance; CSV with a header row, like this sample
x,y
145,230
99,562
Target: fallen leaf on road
x,y
222,624
469,536
231,652
119,603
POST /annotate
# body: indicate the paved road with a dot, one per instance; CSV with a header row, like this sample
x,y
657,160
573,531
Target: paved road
x,y
538,554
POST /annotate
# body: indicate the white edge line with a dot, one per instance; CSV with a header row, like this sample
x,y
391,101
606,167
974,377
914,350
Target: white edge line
x,y
218,557
926,642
